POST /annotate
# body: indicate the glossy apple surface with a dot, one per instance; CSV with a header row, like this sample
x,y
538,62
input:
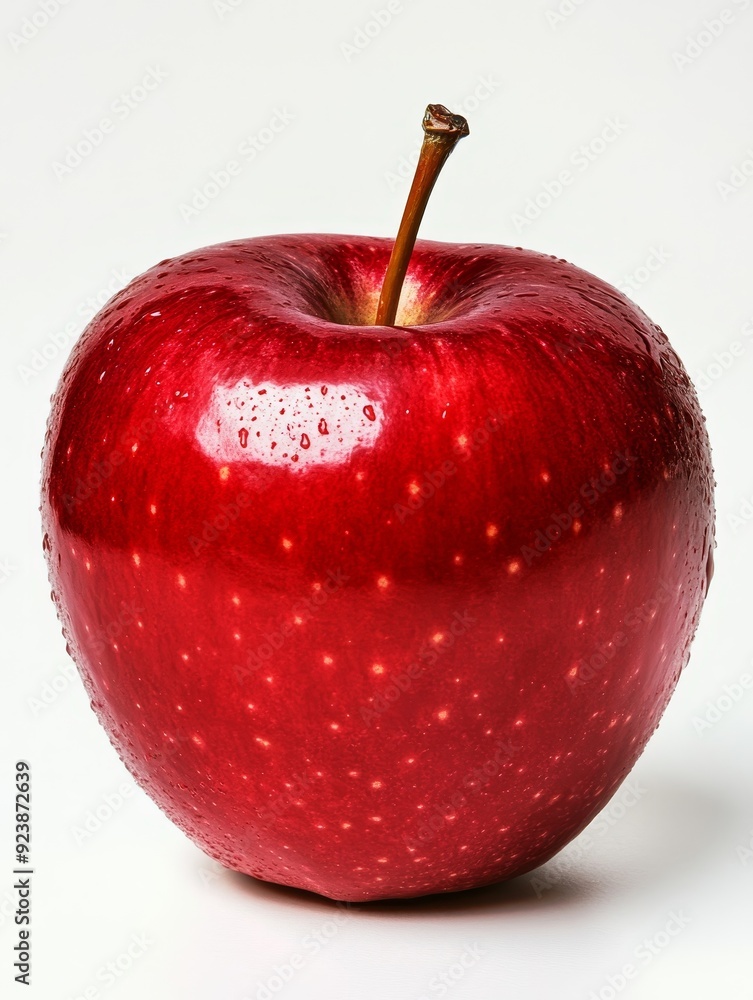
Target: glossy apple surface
x,y
377,612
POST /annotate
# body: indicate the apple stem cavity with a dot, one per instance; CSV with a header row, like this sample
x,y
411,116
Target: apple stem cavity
x,y
442,130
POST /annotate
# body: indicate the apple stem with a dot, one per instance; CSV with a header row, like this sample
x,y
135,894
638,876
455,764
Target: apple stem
x,y
442,131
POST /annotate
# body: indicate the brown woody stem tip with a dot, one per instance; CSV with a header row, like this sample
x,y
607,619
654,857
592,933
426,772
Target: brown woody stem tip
x,y
442,130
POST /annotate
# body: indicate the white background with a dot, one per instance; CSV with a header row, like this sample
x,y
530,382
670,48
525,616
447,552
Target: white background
x,y
535,88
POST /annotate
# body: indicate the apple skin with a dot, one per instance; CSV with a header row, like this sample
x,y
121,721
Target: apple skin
x,y
310,569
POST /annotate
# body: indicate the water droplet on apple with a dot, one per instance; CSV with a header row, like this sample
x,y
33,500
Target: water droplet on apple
x,y
369,412
305,441
243,436
323,429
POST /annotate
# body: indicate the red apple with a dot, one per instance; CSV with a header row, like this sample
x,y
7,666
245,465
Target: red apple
x,y
374,611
